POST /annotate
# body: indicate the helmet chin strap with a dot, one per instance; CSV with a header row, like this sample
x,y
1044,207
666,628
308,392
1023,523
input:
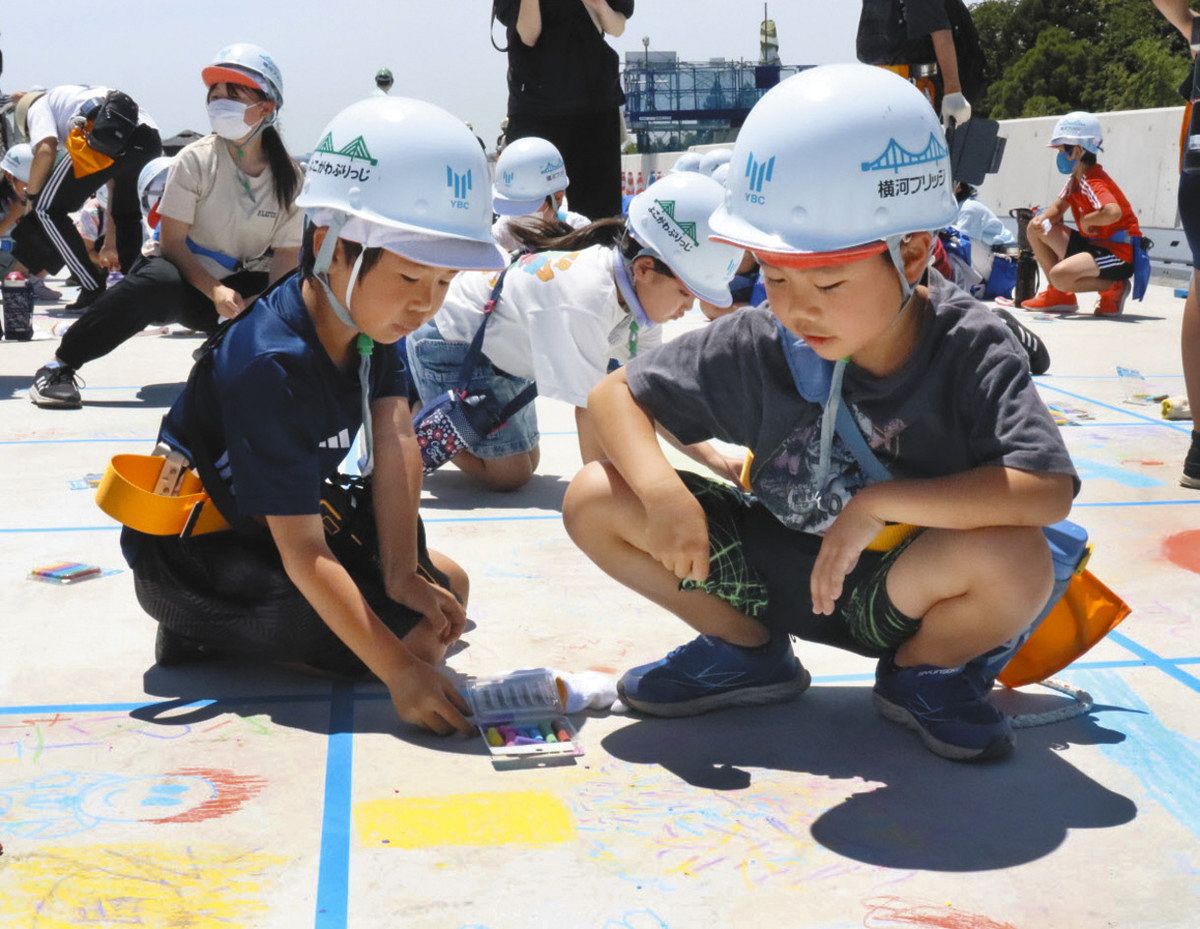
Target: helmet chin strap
x,y
364,344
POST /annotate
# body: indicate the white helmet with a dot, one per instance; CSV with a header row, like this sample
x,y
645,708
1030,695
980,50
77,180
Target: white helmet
x,y
152,171
246,64
838,158
710,161
670,220
18,160
404,175
688,161
1078,128
721,173
527,172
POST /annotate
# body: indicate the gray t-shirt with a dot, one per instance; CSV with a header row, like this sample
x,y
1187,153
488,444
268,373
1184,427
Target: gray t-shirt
x,y
964,399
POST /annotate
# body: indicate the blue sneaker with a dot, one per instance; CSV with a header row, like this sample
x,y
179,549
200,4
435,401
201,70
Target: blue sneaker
x,y
946,707
709,674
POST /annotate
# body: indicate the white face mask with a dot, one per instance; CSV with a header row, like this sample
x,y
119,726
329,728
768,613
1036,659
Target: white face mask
x,y
228,119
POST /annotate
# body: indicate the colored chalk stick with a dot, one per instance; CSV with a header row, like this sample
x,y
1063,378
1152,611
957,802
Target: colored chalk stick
x,y
494,738
547,732
1181,293
509,733
526,740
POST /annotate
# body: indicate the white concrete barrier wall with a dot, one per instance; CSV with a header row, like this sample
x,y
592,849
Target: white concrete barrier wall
x,y
1141,153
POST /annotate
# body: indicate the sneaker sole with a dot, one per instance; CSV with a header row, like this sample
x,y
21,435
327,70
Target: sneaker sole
x,y
1192,483
999,747
746,696
38,399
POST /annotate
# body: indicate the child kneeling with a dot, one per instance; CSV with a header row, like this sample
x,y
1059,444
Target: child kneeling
x,y
938,385
268,413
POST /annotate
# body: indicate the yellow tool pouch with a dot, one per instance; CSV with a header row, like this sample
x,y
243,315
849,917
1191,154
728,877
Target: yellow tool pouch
x,y
126,493
85,160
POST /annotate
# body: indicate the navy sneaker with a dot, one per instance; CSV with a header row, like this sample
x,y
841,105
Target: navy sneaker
x,y
710,674
946,707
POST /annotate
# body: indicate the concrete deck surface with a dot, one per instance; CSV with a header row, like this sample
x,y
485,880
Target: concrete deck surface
x,y
224,796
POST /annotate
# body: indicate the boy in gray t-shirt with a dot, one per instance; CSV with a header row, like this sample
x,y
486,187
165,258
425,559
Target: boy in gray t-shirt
x,y
936,387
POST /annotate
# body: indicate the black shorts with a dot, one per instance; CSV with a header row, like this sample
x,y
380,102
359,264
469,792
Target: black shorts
x,y
1112,268
228,590
1189,213
762,568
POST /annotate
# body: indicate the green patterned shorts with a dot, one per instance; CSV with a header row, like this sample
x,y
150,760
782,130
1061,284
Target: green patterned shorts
x,y
762,569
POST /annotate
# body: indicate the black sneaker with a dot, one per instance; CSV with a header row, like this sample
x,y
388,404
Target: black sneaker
x,y
85,299
1191,464
56,387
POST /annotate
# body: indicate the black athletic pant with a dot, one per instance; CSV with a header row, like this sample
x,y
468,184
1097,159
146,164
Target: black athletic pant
x,y
152,293
229,591
46,238
590,144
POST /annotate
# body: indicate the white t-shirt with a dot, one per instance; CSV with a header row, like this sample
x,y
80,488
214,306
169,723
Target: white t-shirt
x,y
204,189
503,234
50,115
558,321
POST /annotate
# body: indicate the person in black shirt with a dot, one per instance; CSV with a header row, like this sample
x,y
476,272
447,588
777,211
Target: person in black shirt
x,y
564,86
894,33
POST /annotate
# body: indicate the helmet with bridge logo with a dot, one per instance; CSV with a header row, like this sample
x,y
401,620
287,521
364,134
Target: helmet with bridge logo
x,y
834,164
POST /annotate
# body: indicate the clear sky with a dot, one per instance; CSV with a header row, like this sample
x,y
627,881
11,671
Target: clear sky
x,y
329,50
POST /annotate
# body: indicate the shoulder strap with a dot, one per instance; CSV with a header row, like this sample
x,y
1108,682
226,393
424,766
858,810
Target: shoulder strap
x,y
471,359
813,378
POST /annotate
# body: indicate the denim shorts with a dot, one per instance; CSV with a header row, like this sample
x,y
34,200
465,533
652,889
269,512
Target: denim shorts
x,y
434,365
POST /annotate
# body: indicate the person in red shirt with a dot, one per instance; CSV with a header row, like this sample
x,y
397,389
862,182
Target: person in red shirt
x,y
1097,255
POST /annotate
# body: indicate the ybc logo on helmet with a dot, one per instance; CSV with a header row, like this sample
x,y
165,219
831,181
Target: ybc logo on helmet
x,y
683,233
461,185
553,170
760,174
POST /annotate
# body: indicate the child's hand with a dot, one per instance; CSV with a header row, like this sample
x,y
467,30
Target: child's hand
x,y
844,541
434,602
677,534
424,698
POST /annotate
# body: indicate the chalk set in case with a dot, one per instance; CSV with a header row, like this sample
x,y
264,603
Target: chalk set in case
x,y
66,572
521,716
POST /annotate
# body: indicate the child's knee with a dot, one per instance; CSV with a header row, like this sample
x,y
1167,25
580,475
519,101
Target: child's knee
x,y
1015,560
591,491
1060,278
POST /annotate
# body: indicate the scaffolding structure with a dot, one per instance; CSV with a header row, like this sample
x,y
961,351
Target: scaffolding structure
x,y
672,104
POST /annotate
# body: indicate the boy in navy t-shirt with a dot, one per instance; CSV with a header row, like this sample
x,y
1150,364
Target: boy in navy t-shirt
x,y
851,368
271,411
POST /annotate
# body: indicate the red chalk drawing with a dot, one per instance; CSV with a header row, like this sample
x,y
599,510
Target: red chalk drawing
x,y
895,913
1183,549
232,791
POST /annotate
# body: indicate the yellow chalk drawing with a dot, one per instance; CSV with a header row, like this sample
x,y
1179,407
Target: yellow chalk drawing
x,y
151,886
514,818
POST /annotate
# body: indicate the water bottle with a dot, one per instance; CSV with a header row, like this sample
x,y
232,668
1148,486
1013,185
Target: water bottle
x,y
1191,144
17,294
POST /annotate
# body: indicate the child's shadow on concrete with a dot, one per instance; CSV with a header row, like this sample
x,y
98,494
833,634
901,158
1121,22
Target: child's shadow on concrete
x,y
449,488
929,813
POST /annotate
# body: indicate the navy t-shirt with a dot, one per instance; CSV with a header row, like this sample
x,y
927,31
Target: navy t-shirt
x,y
275,411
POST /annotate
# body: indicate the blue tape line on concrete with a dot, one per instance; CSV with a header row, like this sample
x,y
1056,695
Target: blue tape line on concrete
x,y
1117,409
333,874
1156,660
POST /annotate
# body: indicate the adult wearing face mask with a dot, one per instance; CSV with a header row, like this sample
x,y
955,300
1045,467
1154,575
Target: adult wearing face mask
x,y
107,140
229,226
